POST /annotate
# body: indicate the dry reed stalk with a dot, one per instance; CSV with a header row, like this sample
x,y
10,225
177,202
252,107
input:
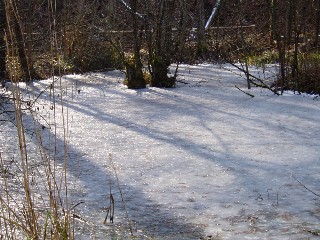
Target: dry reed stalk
x,y
29,218
122,198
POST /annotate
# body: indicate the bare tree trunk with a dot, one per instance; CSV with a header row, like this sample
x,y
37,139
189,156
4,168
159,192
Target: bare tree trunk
x,y
213,14
18,30
273,20
64,29
161,59
182,32
317,23
134,66
291,20
2,42
281,45
22,50
241,36
201,36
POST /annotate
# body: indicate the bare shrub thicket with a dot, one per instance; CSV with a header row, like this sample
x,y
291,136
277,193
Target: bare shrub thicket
x,y
97,35
285,32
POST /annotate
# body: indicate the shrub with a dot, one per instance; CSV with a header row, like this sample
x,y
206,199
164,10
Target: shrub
x,y
306,77
46,65
267,57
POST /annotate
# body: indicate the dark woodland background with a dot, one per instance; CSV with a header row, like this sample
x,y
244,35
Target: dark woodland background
x,y
44,38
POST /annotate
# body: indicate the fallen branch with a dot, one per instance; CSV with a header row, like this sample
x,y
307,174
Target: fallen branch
x,y
181,81
244,92
262,84
313,232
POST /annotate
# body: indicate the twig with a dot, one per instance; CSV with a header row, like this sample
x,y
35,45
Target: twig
x,y
318,195
131,11
110,209
77,205
76,216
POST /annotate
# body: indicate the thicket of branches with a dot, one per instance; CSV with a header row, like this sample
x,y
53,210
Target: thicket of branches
x,y
132,34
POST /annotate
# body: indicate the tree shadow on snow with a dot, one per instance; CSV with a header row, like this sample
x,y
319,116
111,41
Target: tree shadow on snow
x,y
92,177
89,190
249,171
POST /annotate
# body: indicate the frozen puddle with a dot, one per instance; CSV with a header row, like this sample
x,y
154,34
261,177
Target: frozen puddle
x,y
200,160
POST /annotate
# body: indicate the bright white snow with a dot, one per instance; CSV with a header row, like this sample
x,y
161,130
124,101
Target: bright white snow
x,y
197,160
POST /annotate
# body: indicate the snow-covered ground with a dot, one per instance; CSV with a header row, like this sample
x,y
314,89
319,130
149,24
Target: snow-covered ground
x,y
199,160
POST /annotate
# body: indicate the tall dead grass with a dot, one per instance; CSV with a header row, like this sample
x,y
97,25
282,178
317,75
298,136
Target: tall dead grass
x,y
34,191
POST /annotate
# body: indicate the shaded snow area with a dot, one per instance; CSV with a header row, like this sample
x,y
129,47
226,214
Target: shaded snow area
x,y
199,161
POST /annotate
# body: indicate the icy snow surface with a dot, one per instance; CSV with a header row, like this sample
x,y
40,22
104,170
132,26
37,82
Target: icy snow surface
x,y
202,159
